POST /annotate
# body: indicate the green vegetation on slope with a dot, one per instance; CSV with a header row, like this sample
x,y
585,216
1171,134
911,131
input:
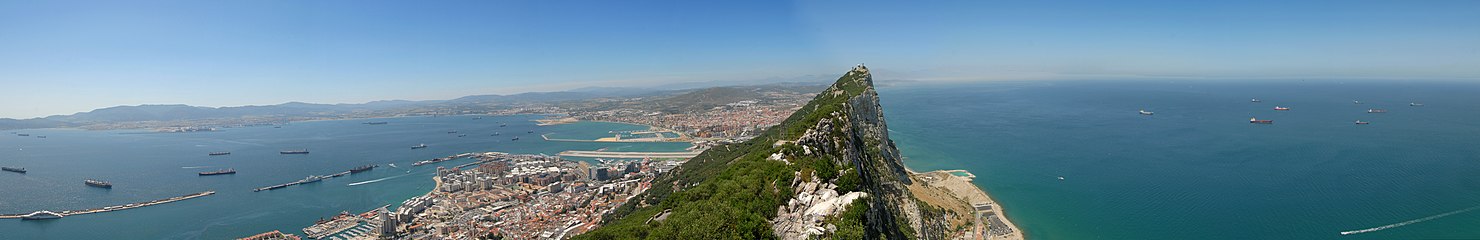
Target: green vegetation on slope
x,y
731,192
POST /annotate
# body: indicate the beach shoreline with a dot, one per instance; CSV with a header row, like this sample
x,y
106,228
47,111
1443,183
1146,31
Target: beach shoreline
x,y
964,188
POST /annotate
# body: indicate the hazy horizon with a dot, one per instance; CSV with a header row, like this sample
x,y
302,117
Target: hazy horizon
x,y
62,57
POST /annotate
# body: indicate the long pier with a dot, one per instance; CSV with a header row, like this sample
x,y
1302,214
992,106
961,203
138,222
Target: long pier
x,y
120,207
325,177
604,154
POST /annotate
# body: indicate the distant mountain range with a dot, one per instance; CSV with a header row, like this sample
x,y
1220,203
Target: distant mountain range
x,y
291,110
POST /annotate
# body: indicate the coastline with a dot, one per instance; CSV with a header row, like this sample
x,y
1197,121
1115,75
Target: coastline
x,y
964,188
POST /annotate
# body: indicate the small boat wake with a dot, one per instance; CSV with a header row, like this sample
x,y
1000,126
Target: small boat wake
x,y
376,180
1405,223
194,167
393,165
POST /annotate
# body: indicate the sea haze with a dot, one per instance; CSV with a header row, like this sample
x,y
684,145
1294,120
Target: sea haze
x,y
1198,169
148,166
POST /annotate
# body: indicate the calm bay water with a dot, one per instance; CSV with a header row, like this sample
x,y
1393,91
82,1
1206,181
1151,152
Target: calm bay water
x,y
149,166
1197,169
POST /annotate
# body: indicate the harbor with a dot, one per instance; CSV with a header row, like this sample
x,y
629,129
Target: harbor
x,y
113,208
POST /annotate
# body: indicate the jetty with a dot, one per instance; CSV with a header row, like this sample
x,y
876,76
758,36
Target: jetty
x,y
303,181
443,159
119,207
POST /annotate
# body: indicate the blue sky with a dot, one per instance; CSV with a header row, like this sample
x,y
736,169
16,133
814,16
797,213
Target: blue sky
x,y
60,57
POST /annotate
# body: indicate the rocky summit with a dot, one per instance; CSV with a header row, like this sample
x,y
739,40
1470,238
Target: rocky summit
x,y
828,171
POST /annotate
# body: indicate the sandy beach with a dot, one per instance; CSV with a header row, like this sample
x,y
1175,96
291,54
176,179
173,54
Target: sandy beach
x,y
987,209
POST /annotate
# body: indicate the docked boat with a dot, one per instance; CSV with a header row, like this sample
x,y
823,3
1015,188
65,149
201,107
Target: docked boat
x,y
311,179
41,215
1360,122
219,172
419,146
1144,112
218,153
361,169
14,169
1279,108
1376,110
304,151
1260,121
96,183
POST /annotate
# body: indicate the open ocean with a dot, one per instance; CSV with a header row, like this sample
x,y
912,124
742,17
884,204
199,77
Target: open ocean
x,y
1197,169
149,166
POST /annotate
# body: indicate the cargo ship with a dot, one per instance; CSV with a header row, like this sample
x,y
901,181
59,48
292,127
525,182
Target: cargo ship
x,y
376,123
1254,100
496,133
419,146
312,178
41,215
96,183
218,153
1415,104
14,169
1356,102
462,135
1376,110
502,125
451,132
1360,122
1260,121
304,151
219,172
1278,108
516,139
23,134
361,169
1144,112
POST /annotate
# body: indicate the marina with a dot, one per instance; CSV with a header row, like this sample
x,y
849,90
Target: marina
x,y
109,208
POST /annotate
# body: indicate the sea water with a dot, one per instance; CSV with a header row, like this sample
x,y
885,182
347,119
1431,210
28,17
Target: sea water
x,y
1197,169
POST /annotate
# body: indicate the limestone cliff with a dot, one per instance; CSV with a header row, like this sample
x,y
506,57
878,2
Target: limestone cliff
x,y
829,171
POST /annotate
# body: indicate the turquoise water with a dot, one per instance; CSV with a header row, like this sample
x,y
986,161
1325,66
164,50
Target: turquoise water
x,y
149,166
1197,169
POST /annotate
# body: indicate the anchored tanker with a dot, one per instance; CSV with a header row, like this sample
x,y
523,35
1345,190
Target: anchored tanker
x,y
219,172
14,169
361,169
96,183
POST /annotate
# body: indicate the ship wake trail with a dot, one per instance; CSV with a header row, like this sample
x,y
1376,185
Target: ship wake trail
x,y
377,180
1425,219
